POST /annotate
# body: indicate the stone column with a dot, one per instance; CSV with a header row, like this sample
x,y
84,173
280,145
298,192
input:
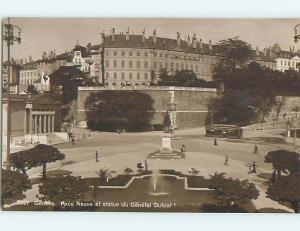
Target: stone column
x,y
49,123
40,124
52,123
35,124
44,124
30,121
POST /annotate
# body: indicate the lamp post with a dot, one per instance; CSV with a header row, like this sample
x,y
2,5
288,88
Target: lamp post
x,y
10,38
297,34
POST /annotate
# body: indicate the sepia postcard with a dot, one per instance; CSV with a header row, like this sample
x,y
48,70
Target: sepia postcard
x,y
150,115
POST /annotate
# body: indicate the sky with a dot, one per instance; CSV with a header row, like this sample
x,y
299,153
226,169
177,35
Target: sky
x,y
62,34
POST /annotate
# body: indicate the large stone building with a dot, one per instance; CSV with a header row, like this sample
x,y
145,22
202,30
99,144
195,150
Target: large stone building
x,y
282,60
31,117
128,59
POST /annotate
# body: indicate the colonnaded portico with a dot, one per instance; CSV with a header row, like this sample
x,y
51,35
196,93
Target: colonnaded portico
x,y
38,122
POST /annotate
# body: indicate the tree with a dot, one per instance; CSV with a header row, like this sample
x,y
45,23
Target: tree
x,y
194,171
283,161
31,89
233,191
298,66
234,107
105,174
279,102
64,188
112,110
183,78
296,108
13,183
264,103
64,83
234,52
286,189
41,154
127,171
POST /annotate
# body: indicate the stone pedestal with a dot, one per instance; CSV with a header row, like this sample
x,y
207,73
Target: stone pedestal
x,y
166,142
167,151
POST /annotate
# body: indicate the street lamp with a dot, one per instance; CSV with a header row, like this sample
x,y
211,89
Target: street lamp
x,y
297,35
11,35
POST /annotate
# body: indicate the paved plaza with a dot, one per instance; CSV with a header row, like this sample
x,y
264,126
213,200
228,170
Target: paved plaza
x,y
118,151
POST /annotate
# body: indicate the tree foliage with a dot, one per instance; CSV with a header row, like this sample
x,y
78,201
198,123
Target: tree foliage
x,y
112,110
31,89
183,78
233,191
283,161
286,189
64,83
65,188
13,183
41,154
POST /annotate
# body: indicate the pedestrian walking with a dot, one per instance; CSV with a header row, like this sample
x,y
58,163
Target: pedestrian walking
x,y
182,148
97,156
146,165
90,136
255,149
215,142
254,167
73,141
226,160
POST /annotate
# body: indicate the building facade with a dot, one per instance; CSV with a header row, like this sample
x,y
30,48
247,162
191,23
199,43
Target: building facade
x,y
127,59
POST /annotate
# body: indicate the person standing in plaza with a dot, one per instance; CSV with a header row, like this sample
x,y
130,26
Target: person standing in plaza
x,y
226,160
215,142
146,165
254,167
255,149
97,156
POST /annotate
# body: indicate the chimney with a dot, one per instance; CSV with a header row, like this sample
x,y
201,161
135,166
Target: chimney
x,y
143,36
113,31
127,34
154,36
88,46
194,41
200,44
257,51
44,56
210,45
188,41
178,39
102,36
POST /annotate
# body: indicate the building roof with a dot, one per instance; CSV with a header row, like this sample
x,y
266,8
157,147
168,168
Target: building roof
x,y
83,50
136,41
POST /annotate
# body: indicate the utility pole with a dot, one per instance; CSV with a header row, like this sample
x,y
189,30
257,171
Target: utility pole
x,y
10,39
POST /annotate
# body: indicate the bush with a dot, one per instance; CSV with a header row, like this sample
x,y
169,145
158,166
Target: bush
x,y
171,172
198,182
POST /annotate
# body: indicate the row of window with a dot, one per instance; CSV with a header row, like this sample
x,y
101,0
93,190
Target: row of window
x,y
28,73
156,65
288,63
155,54
123,75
